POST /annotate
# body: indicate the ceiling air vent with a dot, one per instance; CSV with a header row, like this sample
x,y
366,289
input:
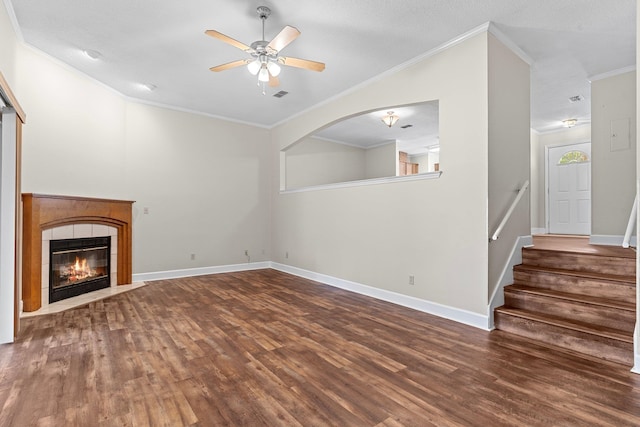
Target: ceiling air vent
x,y
280,94
576,98
406,126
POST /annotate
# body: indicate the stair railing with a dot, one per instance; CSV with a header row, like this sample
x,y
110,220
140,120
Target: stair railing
x,y
510,211
631,223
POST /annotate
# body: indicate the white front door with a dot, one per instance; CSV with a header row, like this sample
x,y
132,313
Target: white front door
x,y
569,183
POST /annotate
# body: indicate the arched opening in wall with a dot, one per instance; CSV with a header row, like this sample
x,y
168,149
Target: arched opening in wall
x,y
391,143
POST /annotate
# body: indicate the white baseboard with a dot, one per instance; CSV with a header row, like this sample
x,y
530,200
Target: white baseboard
x,y
188,272
600,239
538,231
462,316
506,278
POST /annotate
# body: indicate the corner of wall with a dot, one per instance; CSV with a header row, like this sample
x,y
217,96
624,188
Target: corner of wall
x,y
506,278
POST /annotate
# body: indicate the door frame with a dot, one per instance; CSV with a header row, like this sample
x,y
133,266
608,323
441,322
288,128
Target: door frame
x,y
547,216
12,111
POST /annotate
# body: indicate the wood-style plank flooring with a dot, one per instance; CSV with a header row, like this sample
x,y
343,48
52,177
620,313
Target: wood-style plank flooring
x,y
266,348
580,244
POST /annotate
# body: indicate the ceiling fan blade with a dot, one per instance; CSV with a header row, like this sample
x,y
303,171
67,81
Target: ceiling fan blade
x,y
273,81
284,37
229,65
302,63
229,40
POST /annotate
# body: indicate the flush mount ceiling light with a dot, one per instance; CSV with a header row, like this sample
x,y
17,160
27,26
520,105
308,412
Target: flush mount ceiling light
x,y
569,123
265,61
390,119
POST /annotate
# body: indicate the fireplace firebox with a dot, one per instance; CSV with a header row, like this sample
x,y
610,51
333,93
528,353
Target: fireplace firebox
x,y
78,266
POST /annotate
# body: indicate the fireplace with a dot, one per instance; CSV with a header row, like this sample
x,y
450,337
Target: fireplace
x,y
78,266
51,217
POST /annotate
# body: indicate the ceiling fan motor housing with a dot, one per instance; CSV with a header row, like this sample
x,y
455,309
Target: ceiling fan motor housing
x,y
263,12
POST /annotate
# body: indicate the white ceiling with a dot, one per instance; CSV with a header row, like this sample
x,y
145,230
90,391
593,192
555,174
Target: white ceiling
x,y
162,43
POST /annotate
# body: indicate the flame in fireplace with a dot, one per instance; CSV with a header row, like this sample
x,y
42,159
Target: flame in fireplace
x,y
80,270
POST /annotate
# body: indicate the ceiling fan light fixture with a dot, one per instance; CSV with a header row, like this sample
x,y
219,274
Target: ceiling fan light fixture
x,y
254,66
263,75
390,119
273,68
569,123
265,62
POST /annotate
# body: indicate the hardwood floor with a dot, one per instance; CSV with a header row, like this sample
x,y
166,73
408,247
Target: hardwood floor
x,y
266,348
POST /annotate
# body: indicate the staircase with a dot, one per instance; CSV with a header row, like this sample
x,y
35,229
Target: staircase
x,y
574,295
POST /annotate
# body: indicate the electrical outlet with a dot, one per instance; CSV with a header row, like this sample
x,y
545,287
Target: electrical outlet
x,y
145,211
246,252
412,280
193,257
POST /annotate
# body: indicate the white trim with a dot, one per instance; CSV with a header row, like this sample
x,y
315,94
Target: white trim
x,y
200,271
636,350
198,113
14,20
462,316
506,278
509,43
610,240
535,231
8,152
631,224
363,182
131,99
612,73
453,42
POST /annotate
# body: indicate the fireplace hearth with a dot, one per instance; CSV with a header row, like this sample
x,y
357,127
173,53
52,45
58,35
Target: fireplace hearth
x,y
78,266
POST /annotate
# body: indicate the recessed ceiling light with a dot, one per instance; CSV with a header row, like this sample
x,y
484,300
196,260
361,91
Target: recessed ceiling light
x,y
94,55
147,86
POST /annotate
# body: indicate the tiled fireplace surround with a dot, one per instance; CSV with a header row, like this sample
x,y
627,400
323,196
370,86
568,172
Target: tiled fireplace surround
x,y
77,231
51,217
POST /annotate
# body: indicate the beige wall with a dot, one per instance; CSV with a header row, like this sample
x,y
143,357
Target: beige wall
x,y
205,181
539,142
74,139
378,235
314,161
613,168
381,161
509,152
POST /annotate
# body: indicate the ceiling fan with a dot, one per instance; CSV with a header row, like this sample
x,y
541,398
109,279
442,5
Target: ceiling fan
x,y
265,60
